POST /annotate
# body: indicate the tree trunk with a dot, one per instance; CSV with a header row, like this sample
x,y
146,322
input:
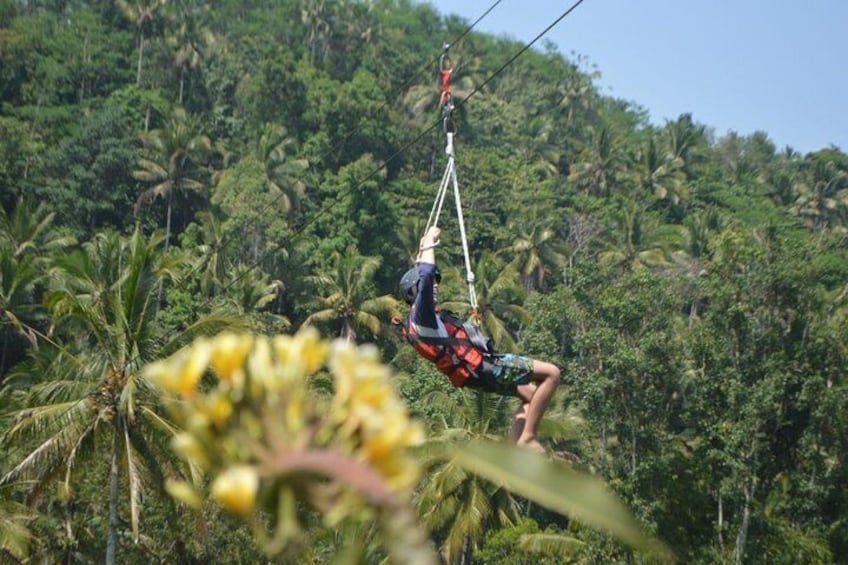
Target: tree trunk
x,y
465,558
742,537
182,83
140,56
720,523
632,450
168,221
3,357
112,540
167,240
348,332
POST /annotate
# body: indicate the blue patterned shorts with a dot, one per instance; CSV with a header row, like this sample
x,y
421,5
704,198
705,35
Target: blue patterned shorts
x,y
503,374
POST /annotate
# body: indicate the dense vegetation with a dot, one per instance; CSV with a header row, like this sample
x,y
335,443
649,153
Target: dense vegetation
x,y
168,169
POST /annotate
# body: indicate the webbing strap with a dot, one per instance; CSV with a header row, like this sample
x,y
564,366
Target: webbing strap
x,y
449,179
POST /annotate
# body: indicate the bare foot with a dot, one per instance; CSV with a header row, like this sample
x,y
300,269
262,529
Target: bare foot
x,y
567,456
532,443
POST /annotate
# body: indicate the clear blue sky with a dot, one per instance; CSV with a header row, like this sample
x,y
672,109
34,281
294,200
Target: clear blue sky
x,y
776,66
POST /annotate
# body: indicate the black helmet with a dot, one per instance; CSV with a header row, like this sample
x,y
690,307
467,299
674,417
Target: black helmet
x,y
408,286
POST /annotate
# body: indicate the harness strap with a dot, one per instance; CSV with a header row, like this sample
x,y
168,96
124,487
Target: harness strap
x,y
449,178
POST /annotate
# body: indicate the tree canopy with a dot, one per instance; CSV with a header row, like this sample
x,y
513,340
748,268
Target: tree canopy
x,y
169,169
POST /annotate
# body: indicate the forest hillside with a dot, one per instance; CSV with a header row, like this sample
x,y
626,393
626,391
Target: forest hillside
x,y
173,169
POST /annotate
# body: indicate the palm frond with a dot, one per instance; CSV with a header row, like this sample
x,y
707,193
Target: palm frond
x,y
556,545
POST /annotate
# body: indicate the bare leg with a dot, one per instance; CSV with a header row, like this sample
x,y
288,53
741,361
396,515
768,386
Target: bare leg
x,y
537,395
518,420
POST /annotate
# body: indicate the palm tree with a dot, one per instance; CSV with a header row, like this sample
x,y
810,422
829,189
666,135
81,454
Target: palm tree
x,y
822,194
84,390
685,141
633,242
347,296
15,535
410,230
600,163
659,175
30,231
18,307
283,173
171,162
536,250
691,260
457,505
213,251
499,297
189,39
142,13
246,291
27,238
575,92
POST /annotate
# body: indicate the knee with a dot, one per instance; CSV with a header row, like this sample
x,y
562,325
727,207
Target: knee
x,y
552,374
556,376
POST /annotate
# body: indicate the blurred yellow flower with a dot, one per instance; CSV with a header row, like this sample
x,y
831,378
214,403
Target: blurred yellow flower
x,y
229,352
183,371
196,364
311,349
261,369
235,489
217,406
187,446
183,492
262,405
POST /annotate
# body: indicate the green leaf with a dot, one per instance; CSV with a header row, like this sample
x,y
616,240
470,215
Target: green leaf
x,y
557,487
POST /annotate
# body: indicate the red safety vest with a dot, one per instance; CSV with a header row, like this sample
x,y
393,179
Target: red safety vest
x,y
459,356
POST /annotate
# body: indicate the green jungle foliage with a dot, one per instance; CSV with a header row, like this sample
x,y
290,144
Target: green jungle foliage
x,y
169,169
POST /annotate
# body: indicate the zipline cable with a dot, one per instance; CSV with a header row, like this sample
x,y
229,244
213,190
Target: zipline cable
x,y
338,144
136,356
448,106
402,88
521,51
321,212
409,144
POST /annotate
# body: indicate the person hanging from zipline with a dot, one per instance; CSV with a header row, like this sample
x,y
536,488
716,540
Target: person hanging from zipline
x,y
466,356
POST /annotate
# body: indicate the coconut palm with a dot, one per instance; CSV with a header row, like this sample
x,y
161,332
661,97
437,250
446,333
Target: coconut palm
x,y
659,175
686,141
347,296
690,261
189,39
633,241
30,230
455,504
83,391
410,230
15,535
213,249
599,164
171,159
536,250
27,238
823,193
246,291
499,297
18,307
142,13
283,173
576,91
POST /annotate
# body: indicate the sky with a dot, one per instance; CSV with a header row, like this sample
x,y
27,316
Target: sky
x,y
776,66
